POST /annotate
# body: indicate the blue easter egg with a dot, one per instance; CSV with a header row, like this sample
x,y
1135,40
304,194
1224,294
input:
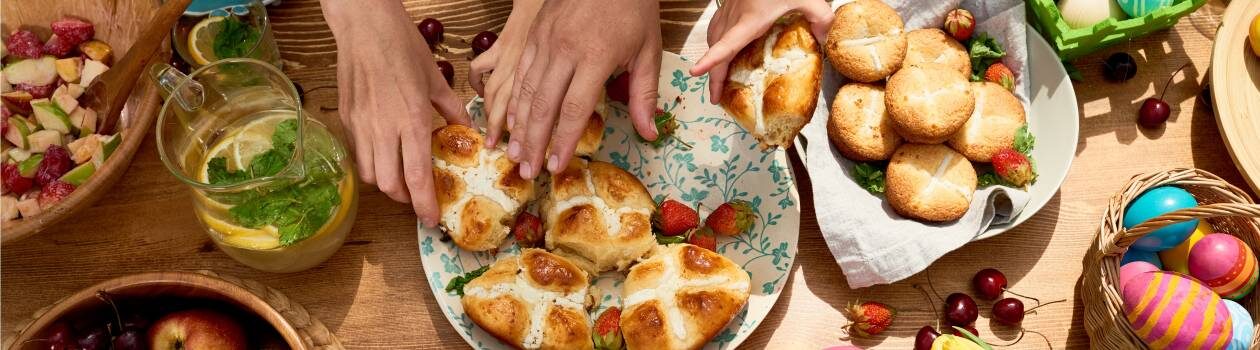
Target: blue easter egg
x,y
1139,8
1141,255
1155,202
1242,325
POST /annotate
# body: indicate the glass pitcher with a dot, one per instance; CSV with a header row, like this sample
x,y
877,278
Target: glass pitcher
x,y
273,187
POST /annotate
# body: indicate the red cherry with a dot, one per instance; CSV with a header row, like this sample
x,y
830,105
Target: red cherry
x,y
960,310
1008,311
924,339
989,283
448,72
1154,113
432,30
483,41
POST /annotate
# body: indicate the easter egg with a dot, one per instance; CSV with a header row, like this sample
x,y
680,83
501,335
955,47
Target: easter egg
x,y
1225,264
1085,13
1132,269
1139,8
1175,258
1141,255
1155,202
1169,310
1243,328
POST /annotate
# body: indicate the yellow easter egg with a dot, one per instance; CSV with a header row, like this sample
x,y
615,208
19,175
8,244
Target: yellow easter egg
x,y
952,342
1174,258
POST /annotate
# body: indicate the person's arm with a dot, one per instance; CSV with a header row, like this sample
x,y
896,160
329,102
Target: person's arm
x,y
388,87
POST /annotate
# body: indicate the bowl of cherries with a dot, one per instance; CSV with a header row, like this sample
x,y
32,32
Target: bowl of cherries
x,y
170,310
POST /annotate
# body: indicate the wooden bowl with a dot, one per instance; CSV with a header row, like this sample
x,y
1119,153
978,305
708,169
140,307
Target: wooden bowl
x,y
1236,89
118,23
297,328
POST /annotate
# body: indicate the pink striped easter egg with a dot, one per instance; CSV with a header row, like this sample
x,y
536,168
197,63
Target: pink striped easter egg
x,y
1169,310
1225,264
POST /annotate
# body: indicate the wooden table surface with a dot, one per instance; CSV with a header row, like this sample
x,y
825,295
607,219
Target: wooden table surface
x,y
373,292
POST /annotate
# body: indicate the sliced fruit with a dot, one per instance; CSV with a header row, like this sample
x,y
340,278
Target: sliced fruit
x,y
37,91
79,174
28,167
18,100
73,30
239,149
96,50
201,39
66,103
18,154
68,69
91,70
35,71
266,237
81,150
51,117
13,181
24,44
19,132
29,207
8,208
85,120
40,140
107,148
4,83
75,90
53,193
58,47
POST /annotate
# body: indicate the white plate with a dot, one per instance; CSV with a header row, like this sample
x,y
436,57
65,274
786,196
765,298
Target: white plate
x,y
725,163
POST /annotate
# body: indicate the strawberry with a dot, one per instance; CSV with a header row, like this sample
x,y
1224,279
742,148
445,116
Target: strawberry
x,y
960,24
731,218
58,47
527,230
703,237
1013,167
869,318
73,31
54,192
56,162
608,330
619,88
673,218
666,124
999,73
24,44
13,180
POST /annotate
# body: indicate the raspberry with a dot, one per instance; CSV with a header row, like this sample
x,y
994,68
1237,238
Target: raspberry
x,y
56,163
13,180
56,46
37,91
73,31
54,192
25,44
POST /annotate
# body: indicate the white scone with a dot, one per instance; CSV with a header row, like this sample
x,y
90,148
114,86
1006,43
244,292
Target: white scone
x,y
930,182
598,216
992,125
680,298
536,300
773,83
867,41
934,46
928,103
479,191
859,125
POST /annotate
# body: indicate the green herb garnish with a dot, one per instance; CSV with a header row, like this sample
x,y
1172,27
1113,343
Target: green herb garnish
x,y
1024,141
869,177
988,179
457,284
236,38
667,240
984,51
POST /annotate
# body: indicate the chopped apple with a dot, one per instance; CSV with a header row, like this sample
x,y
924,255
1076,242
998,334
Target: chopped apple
x,y
96,50
17,98
29,207
35,72
4,84
91,70
74,90
28,167
19,131
79,174
8,208
69,68
51,117
40,140
81,150
66,103
18,154
85,120
108,144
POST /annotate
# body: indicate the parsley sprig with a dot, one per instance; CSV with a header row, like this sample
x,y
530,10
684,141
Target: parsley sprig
x,y
457,284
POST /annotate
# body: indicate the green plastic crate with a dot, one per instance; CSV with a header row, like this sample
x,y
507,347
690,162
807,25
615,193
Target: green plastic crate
x,y
1072,43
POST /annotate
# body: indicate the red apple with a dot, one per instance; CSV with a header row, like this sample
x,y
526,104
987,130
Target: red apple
x,y
198,329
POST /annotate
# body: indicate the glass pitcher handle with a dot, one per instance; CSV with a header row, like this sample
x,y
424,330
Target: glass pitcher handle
x,y
191,96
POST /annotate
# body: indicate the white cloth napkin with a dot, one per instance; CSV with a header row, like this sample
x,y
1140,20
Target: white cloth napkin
x,y
871,243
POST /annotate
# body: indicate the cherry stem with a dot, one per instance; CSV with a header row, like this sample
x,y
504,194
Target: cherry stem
x,y
109,300
929,299
933,286
1170,78
1040,305
1008,290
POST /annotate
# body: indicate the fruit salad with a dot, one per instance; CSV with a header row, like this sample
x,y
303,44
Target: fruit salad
x,y
50,144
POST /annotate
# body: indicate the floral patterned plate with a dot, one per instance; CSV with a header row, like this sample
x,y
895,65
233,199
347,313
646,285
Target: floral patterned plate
x,y
724,163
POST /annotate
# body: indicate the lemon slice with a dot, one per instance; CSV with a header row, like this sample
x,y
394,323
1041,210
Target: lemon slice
x,y
251,140
201,39
267,237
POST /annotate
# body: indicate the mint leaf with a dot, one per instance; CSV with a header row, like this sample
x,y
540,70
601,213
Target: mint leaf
x,y
869,177
666,240
457,284
1024,141
218,173
235,39
984,51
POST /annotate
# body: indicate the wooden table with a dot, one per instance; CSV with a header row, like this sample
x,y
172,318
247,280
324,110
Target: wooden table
x,y
373,293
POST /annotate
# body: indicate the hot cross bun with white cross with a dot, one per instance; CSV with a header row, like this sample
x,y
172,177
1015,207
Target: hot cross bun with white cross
x,y
930,182
536,300
598,216
479,190
998,114
933,46
680,298
928,103
773,83
867,41
859,125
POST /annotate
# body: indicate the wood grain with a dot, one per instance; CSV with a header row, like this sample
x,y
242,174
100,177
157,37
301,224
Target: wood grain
x,y
374,294
1237,92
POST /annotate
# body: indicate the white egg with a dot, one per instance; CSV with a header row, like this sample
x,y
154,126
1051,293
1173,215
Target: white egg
x,y
1085,13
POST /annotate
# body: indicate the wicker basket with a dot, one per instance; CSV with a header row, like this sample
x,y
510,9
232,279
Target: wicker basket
x,y
1227,208
1072,43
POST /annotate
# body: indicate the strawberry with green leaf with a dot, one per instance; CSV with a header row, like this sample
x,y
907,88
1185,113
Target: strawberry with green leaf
x,y
869,318
731,218
1001,74
666,125
607,334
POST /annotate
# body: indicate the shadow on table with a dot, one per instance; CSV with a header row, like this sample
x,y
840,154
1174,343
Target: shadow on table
x,y
1157,55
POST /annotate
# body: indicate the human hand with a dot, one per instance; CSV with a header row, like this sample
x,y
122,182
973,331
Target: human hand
x,y
501,62
572,49
387,108
739,22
